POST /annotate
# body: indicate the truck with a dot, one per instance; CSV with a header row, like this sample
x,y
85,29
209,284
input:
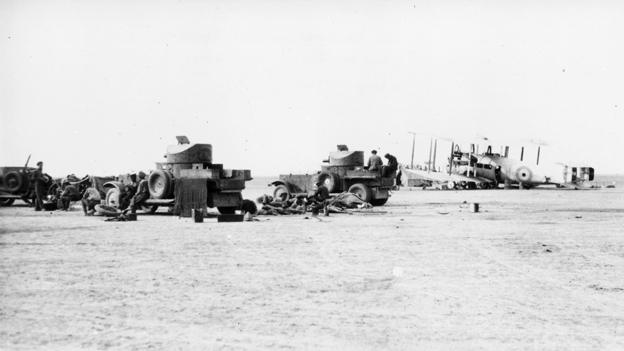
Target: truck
x,y
344,171
15,184
188,179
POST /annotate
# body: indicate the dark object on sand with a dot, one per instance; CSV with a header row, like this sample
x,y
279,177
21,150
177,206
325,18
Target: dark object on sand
x,y
230,218
474,207
249,206
198,215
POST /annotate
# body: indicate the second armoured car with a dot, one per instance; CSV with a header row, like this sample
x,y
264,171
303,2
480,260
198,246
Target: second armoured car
x,y
344,171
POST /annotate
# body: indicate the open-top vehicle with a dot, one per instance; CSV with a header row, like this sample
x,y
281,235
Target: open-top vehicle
x,y
344,172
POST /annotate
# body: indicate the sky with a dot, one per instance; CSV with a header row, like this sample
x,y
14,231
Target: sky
x,y
102,87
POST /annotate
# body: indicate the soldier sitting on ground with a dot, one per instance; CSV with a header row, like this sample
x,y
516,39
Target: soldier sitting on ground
x,y
90,198
318,199
141,195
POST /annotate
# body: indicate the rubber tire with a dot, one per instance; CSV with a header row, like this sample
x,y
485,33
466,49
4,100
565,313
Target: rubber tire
x,y
160,184
6,202
227,210
330,180
362,190
281,190
379,202
524,174
452,185
15,178
112,197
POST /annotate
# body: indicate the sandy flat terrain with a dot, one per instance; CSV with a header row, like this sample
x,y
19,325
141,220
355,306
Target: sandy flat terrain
x,y
535,270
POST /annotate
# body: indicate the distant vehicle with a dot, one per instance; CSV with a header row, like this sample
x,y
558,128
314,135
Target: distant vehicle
x,y
15,184
344,172
189,171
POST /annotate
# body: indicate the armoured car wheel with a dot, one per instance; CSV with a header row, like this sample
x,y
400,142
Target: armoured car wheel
x,y
361,190
13,181
6,202
379,202
330,181
159,183
112,197
227,210
281,193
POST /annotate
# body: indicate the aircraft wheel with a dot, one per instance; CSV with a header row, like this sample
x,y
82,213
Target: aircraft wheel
x,y
362,191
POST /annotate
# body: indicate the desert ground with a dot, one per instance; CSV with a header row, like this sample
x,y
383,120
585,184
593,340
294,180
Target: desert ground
x,y
533,270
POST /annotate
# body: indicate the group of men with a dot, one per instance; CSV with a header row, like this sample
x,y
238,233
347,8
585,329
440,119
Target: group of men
x,y
134,195
375,163
318,199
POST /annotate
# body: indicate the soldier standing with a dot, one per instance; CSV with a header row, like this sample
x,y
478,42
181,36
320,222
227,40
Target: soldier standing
x,y
392,166
39,184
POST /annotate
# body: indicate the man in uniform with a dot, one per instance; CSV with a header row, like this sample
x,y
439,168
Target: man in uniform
x,y
319,198
374,162
128,193
70,193
392,166
90,198
39,183
141,195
